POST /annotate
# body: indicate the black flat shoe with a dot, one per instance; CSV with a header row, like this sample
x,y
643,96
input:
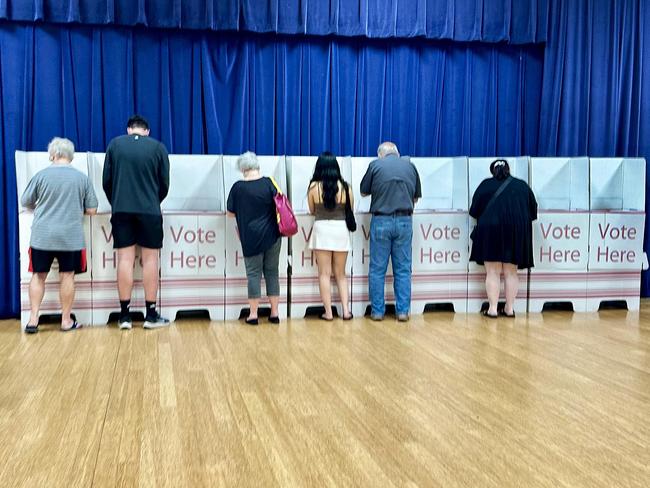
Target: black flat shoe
x,y
323,317
509,315
489,315
274,320
31,329
349,317
254,321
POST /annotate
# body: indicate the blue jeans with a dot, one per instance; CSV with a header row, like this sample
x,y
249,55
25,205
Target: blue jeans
x,y
390,237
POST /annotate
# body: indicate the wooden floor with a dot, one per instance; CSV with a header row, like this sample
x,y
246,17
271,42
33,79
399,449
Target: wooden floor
x,y
552,400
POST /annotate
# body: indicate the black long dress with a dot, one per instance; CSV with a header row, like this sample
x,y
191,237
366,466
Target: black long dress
x,y
505,233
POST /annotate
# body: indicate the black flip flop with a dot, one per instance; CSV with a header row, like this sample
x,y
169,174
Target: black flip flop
x,y
31,329
322,317
489,315
75,325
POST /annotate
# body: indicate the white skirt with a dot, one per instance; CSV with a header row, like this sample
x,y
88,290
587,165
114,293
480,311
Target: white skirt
x,y
330,235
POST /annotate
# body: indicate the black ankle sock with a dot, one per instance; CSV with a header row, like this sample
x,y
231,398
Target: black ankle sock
x,y
124,308
151,309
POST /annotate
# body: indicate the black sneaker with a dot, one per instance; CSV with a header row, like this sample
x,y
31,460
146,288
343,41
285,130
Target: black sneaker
x,y
155,322
125,322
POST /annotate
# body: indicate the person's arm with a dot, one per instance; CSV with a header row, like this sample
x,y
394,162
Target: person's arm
x,y
107,176
231,207
366,183
30,196
311,198
418,186
90,199
163,175
532,204
476,209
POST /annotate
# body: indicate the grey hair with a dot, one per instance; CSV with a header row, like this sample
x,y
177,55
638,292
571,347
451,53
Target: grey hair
x,y
60,147
386,148
247,162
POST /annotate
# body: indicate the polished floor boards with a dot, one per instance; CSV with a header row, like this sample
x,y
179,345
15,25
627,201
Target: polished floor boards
x,y
552,400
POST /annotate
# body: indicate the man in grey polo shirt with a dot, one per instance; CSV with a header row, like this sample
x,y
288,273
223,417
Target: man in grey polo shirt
x,y
394,184
59,195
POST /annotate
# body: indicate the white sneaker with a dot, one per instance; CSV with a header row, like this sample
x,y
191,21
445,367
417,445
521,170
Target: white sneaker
x,y
125,323
156,322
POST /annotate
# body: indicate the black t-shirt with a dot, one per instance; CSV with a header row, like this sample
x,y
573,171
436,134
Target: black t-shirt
x,y
252,203
136,174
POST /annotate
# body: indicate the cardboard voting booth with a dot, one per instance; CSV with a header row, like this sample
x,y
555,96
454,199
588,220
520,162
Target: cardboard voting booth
x,y
236,296
105,298
617,193
305,291
560,233
440,234
27,165
479,169
192,260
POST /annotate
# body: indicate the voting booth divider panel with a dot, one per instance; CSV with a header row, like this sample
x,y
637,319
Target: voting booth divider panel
x,y
617,199
561,232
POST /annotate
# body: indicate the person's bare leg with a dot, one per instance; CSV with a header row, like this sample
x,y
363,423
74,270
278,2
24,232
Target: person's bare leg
x,y
150,273
324,261
253,304
492,285
340,259
511,285
36,293
66,294
275,306
125,262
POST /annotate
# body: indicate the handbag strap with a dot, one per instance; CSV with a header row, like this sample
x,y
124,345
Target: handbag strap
x,y
275,184
497,193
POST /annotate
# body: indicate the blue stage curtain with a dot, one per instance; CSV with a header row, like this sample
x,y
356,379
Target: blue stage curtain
x,y
517,22
596,87
206,92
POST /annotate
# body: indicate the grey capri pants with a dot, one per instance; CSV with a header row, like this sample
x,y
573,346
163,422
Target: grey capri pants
x,y
266,262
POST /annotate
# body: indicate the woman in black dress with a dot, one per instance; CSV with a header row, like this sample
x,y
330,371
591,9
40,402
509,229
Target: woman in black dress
x,y
503,236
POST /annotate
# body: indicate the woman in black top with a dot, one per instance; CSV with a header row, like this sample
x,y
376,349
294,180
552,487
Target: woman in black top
x,y
503,236
251,202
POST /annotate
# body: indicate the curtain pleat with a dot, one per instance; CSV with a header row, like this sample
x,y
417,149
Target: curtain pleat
x,y
517,22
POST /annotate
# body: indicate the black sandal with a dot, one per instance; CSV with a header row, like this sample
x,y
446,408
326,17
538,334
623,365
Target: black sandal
x,y
322,317
503,313
254,321
489,315
349,317
31,329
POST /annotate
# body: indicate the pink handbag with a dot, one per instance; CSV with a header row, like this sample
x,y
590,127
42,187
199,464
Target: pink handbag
x,y
287,223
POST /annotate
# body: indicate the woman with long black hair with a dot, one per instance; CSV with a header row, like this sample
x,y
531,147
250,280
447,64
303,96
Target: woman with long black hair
x,y
504,208
330,238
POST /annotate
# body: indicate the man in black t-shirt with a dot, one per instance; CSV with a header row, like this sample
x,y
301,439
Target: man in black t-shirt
x,y
136,181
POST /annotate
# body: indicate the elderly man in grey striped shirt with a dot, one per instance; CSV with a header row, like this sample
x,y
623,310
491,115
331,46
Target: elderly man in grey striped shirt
x,y
59,195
